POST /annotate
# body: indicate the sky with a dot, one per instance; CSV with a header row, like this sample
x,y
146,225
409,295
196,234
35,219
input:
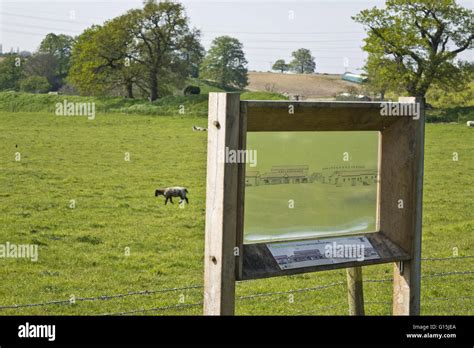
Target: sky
x,y
268,29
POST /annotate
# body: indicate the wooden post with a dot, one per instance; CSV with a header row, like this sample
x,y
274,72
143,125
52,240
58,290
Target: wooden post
x,y
241,193
355,291
407,274
221,204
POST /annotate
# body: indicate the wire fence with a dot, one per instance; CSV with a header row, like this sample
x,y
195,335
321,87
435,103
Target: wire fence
x,y
306,291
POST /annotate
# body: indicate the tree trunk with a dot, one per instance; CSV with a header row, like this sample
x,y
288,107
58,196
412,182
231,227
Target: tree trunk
x,y
129,88
153,86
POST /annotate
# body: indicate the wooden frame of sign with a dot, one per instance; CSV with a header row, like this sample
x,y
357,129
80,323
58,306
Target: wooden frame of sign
x,y
398,236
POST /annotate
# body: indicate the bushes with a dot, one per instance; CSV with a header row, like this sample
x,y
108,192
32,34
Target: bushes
x,y
455,114
444,99
26,102
35,84
195,105
192,105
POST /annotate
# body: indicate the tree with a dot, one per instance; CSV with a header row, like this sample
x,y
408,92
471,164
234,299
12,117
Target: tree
x,y
46,65
303,62
225,63
380,73
101,60
11,72
150,50
417,41
35,84
163,44
60,47
280,65
192,54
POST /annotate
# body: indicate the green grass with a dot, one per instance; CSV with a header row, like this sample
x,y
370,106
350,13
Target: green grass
x,y
82,250
195,105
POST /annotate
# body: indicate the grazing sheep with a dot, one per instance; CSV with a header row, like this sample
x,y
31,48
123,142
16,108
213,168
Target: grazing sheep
x,y
470,123
171,192
199,129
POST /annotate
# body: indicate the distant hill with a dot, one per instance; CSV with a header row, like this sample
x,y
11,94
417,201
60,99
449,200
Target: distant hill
x,y
312,86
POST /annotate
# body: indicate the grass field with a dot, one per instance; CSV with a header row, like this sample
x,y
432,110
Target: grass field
x,y
83,251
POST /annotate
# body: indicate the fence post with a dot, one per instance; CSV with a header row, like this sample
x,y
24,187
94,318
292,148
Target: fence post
x,y
407,274
221,204
355,291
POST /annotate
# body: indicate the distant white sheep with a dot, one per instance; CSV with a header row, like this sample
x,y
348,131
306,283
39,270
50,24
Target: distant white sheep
x,y
171,192
199,129
470,123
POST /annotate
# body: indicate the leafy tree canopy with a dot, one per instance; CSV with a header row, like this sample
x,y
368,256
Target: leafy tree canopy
x,y
303,62
225,63
150,51
414,44
11,72
60,47
281,66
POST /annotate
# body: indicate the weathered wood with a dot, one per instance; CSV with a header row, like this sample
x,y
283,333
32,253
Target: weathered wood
x,y
259,263
379,187
398,236
271,116
221,205
355,292
241,191
397,181
407,275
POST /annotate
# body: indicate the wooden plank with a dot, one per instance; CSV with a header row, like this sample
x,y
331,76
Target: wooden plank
x,y
407,275
401,288
259,263
379,189
316,116
355,292
221,205
279,104
241,192
397,183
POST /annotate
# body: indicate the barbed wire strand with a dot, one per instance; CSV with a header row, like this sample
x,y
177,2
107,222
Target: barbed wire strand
x,y
144,310
103,297
447,258
246,297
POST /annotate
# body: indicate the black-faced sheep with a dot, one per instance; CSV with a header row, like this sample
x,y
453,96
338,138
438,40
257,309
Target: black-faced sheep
x,y
171,192
199,129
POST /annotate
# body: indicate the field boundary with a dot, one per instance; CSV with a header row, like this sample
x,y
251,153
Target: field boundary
x,y
181,306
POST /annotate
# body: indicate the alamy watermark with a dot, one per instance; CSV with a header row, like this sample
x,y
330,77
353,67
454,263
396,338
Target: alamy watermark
x,y
241,156
18,251
37,331
75,109
401,109
345,251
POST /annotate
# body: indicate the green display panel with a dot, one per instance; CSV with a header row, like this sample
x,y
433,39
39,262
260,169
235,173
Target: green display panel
x,y
303,185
